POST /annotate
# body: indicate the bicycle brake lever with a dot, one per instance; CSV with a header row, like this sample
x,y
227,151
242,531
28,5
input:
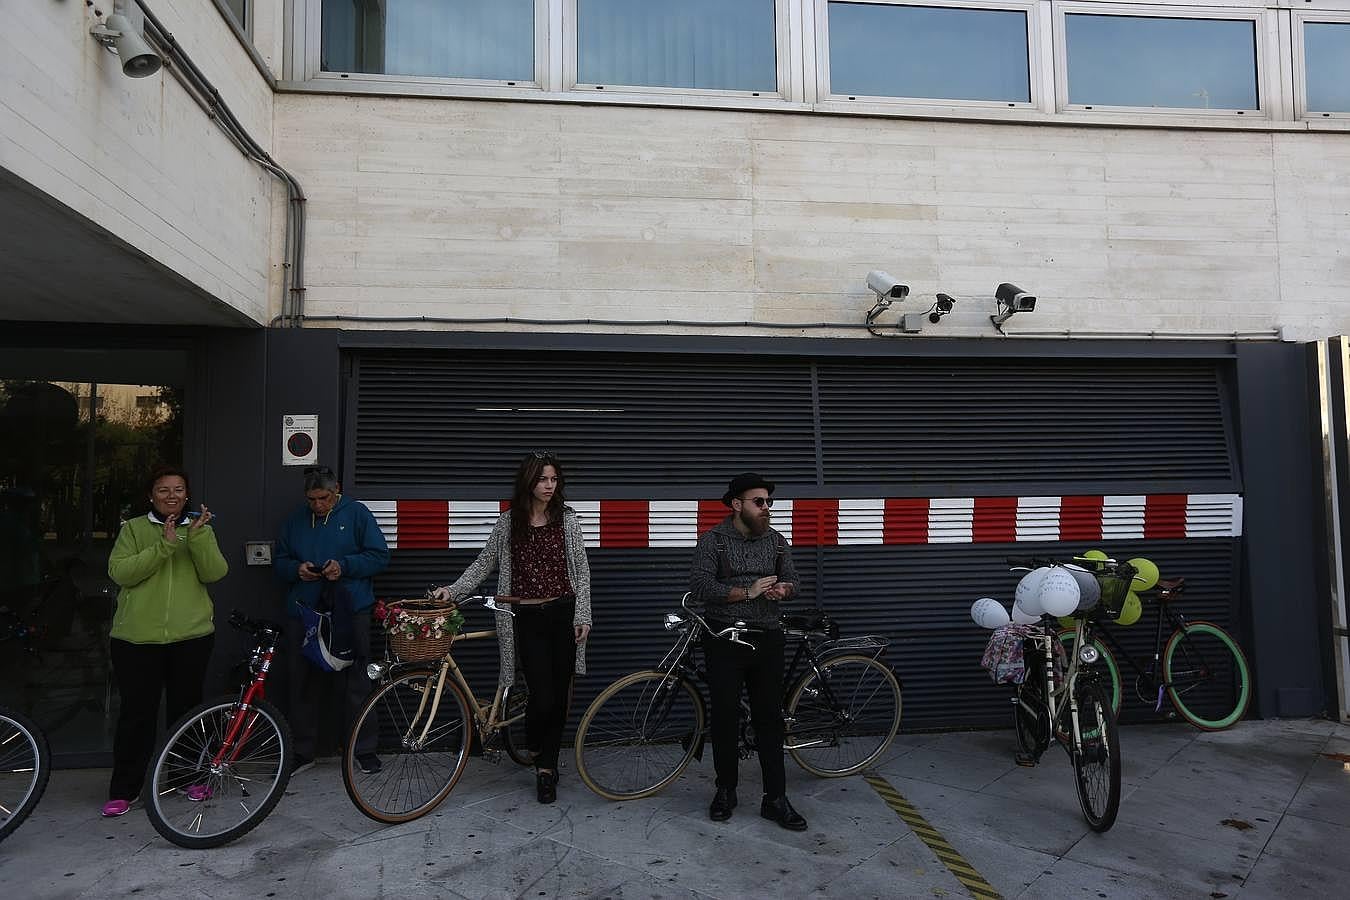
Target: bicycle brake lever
x,y
491,603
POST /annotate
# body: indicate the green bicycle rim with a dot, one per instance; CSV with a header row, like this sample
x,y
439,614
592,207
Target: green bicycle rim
x,y
1240,661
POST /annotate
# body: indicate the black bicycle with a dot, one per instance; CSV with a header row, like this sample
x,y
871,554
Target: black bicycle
x,y
841,709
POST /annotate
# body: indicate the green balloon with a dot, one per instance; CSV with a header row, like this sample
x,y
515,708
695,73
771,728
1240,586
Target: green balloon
x,y
1146,574
1095,554
1067,622
1130,610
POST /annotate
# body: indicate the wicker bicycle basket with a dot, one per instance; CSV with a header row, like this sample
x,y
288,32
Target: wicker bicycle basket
x,y
418,647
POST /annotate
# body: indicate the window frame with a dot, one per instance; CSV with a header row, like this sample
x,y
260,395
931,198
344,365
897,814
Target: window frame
x,y
1300,18
1266,63
1031,8
304,51
784,62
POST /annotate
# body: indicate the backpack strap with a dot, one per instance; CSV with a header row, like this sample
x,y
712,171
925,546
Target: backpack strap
x,y
723,564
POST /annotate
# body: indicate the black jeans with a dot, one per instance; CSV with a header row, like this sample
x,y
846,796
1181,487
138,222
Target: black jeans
x,y
760,671
308,686
547,649
143,673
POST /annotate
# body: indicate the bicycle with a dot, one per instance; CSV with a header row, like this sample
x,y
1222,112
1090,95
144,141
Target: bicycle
x,y
1204,672
425,715
224,765
841,711
1072,705
25,767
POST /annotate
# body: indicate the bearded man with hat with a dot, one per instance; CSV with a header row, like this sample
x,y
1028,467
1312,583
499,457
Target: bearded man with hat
x,y
742,570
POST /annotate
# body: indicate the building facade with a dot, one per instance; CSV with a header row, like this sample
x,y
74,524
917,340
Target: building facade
x,y
640,235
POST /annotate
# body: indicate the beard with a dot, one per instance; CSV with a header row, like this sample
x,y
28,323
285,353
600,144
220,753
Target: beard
x,y
755,522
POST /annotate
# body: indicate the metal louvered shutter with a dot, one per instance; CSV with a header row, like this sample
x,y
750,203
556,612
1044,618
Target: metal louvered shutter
x,y
459,423
1018,422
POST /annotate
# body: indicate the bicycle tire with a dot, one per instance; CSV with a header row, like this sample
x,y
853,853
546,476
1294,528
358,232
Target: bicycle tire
x,y
414,778
630,728
1031,726
515,739
25,768
861,730
196,807
1224,661
1107,663
1096,761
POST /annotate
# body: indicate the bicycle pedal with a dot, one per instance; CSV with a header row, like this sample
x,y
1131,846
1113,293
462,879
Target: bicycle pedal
x,y
491,755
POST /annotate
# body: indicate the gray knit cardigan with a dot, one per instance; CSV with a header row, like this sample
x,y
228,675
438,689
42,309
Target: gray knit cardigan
x,y
497,554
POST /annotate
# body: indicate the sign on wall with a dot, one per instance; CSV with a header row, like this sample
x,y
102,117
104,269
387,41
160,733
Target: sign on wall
x,y
299,440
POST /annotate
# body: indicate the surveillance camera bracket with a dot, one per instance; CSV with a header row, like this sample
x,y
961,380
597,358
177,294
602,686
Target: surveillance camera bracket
x,y
1002,316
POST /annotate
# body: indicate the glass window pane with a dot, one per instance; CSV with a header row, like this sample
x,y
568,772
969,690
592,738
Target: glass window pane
x,y
1147,61
238,9
1326,60
723,45
448,38
924,51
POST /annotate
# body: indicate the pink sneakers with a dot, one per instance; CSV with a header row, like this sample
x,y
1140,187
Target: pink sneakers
x,y
115,808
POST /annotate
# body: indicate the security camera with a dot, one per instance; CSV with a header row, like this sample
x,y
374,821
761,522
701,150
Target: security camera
x,y
944,305
1014,298
1009,300
118,35
885,287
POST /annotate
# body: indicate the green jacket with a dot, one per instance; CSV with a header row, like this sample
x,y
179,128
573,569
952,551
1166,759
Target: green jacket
x,y
163,597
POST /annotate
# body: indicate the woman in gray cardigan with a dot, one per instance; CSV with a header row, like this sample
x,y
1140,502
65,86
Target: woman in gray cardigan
x,y
539,553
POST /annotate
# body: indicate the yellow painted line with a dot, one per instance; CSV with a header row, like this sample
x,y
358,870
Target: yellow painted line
x,y
945,852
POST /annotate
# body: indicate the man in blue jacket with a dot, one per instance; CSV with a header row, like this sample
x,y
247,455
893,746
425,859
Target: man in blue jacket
x,y
331,538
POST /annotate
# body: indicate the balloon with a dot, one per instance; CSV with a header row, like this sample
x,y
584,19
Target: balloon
x,y
1059,593
1146,574
1095,554
1089,588
1021,617
1067,622
1130,610
989,613
1029,589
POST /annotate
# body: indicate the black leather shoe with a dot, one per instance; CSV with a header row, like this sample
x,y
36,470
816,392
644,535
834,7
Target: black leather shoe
x,y
781,811
724,801
547,785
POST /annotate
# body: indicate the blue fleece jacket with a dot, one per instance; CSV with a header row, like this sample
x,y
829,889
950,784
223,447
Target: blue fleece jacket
x,y
348,534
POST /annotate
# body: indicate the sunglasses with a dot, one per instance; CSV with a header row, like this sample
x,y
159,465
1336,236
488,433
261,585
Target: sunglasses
x,y
543,454
761,502
323,470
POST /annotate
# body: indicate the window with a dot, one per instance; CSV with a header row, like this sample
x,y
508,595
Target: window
x,y
724,45
1172,63
446,38
1326,66
238,9
948,53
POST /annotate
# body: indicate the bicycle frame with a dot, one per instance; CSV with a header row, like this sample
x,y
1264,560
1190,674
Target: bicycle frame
x,y
1154,672
239,731
1060,699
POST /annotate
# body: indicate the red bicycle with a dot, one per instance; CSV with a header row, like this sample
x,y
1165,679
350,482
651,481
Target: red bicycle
x,y
224,766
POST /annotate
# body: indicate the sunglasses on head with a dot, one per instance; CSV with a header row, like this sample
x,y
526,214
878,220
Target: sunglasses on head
x,y
761,502
542,454
322,470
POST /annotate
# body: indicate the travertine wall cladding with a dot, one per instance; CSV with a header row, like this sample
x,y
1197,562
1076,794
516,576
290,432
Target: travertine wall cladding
x,y
478,208
137,156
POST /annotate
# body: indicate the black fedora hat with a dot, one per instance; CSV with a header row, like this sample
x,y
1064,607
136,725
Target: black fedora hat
x,y
746,481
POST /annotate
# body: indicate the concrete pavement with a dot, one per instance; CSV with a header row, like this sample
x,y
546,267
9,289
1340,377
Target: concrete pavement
x,y
1259,811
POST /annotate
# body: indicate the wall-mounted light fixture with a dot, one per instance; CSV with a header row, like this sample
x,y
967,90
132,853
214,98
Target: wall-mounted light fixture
x,y
1009,300
118,35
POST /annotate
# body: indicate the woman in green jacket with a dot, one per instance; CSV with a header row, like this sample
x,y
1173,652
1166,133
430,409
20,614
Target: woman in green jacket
x,y
164,628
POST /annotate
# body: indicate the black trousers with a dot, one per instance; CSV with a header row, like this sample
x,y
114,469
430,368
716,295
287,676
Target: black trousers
x,y
143,673
308,687
547,649
760,672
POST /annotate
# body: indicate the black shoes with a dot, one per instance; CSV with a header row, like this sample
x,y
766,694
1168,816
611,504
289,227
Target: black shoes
x,y
369,763
781,811
546,783
724,801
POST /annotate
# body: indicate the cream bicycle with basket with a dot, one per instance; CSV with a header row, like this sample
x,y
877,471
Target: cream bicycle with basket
x,y
424,715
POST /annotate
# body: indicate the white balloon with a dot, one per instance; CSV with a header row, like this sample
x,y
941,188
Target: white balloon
x,y
1089,588
1028,591
1021,617
989,613
1059,594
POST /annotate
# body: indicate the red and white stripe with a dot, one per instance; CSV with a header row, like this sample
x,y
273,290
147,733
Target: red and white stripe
x,y
465,524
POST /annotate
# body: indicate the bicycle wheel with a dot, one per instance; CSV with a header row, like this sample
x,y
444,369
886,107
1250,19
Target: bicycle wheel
x,y
25,766
639,735
1106,663
423,746
840,721
197,803
1208,679
514,738
1031,720
1096,764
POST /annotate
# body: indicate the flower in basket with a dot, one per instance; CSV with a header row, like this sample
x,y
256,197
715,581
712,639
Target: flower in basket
x,y
412,623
